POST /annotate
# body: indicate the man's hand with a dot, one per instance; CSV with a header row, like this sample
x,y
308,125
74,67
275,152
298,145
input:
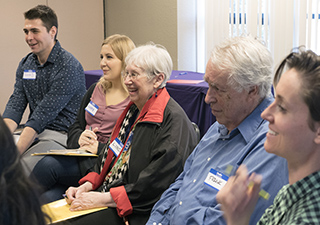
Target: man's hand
x,y
26,138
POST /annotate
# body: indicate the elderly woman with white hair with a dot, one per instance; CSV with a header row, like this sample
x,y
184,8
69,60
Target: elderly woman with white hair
x,y
147,149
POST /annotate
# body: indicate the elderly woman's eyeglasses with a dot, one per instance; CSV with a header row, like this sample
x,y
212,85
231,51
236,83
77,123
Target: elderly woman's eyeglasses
x,y
132,76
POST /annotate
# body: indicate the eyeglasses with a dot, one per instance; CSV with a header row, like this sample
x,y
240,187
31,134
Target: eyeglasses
x,y
132,76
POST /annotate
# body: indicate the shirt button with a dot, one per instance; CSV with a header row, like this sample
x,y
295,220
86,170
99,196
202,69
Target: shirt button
x,y
209,159
194,180
180,203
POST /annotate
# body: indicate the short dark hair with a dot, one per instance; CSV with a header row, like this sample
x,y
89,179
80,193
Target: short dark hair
x,y
307,65
46,14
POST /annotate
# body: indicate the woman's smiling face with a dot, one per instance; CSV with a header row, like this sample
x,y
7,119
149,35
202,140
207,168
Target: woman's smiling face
x,y
139,85
289,134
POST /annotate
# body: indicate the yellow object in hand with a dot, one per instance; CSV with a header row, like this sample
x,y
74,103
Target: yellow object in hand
x,y
262,193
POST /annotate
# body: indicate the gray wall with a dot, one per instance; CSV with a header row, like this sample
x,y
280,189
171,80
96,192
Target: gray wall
x,y
144,21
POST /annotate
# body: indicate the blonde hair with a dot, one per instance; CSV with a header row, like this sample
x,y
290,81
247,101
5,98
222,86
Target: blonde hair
x,y
121,45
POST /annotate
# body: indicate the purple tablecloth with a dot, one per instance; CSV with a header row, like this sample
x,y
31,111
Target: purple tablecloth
x,y
189,96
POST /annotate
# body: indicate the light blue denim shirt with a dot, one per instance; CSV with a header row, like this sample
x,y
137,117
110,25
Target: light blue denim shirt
x,y
190,201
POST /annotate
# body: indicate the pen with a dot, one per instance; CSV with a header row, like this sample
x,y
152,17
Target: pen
x,y
90,128
125,220
262,193
65,196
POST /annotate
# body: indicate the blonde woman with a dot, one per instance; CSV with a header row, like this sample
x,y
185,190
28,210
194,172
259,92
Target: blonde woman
x,y
100,108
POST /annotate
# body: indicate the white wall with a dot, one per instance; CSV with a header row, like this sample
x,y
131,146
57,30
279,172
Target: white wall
x,y
187,35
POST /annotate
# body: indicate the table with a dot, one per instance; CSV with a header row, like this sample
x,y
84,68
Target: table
x,y
190,95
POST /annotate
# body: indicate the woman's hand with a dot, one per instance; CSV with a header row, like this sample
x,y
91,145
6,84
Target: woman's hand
x,y
92,199
74,192
88,141
93,148
239,196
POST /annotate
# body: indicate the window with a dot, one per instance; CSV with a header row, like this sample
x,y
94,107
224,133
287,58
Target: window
x,y
307,16
281,24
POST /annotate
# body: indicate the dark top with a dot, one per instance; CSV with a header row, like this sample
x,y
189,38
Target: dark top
x,y
53,92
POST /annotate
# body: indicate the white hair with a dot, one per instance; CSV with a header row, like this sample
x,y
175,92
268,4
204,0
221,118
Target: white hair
x,y
246,61
153,59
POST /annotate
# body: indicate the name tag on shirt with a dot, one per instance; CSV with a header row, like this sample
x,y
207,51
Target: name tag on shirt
x,y
29,75
216,179
92,108
116,146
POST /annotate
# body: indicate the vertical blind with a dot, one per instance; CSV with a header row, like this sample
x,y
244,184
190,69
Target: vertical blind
x,y
281,24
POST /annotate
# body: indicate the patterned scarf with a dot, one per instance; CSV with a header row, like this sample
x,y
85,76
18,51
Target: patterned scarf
x,y
120,167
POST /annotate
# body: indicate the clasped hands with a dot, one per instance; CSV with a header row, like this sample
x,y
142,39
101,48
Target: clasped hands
x,y
82,197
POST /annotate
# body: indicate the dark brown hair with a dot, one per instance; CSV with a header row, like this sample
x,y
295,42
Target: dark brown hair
x,y
307,65
46,14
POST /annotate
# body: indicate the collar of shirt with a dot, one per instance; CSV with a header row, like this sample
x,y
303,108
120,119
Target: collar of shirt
x,y
292,198
303,187
52,56
250,124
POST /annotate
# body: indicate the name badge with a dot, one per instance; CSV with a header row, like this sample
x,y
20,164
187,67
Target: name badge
x,y
116,146
216,179
29,75
92,108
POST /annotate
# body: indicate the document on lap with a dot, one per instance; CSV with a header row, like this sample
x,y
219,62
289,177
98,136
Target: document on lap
x,y
67,152
59,211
